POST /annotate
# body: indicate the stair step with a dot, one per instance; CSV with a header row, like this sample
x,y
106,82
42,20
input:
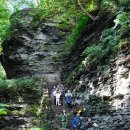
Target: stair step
x,y
59,109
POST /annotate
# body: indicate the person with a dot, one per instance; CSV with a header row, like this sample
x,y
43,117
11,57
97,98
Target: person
x,y
90,124
64,118
68,99
53,95
68,94
76,123
82,118
61,89
58,94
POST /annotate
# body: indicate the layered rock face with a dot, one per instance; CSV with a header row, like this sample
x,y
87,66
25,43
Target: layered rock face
x,y
34,53
112,110
104,90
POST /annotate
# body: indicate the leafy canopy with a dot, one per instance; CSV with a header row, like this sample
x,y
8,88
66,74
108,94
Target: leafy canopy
x,y
4,20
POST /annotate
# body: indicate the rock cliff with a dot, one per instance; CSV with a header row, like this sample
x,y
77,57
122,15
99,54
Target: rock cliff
x,y
31,53
102,87
34,53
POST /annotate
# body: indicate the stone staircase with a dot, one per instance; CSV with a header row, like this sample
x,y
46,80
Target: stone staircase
x,y
17,121
23,121
59,109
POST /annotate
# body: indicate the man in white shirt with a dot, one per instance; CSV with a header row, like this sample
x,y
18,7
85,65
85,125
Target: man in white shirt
x,y
58,94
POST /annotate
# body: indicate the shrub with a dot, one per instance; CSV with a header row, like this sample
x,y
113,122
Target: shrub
x,y
76,31
111,40
94,53
31,109
47,115
24,87
3,109
2,73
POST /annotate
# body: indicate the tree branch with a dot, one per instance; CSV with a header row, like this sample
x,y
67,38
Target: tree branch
x,y
87,13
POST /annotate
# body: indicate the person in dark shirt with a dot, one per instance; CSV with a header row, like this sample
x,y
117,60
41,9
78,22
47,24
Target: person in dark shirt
x,y
90,124
68,101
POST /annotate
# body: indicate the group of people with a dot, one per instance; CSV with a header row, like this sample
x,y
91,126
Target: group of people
x,y
79,122
59,97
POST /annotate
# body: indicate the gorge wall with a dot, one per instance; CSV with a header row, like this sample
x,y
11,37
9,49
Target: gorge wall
x,y
31,53
102,86
34,52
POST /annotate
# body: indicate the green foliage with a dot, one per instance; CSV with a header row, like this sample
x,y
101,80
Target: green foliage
x,y
124,2
108,45
53,9
111,40
25,87
4,21
112,5
91,5
36,129
32,109
2,73
60,11
67,13
122,19
123,43
76,31
47,115
17,21
5,14
3,109
94,52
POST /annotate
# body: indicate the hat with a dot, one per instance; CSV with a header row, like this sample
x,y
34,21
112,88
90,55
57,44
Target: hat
x,y
79,111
